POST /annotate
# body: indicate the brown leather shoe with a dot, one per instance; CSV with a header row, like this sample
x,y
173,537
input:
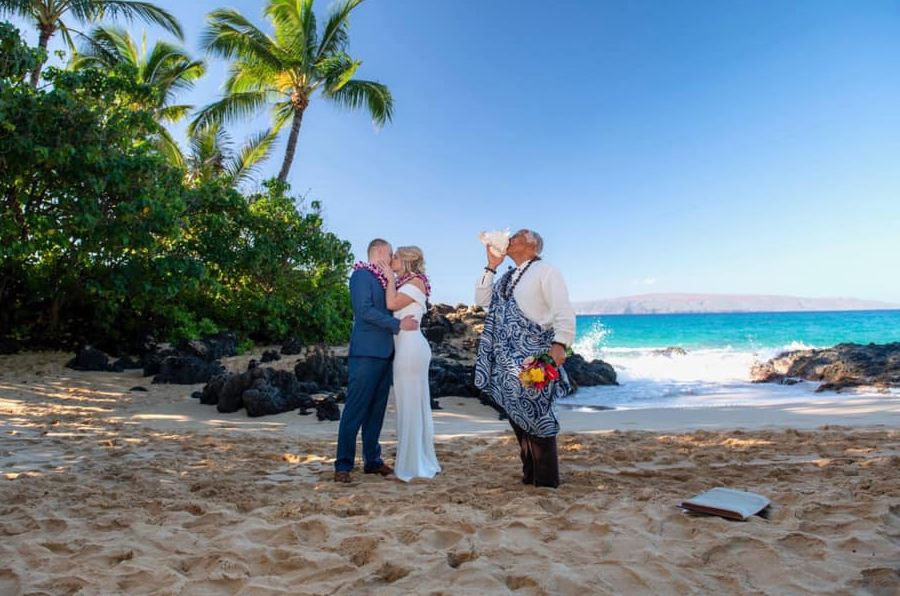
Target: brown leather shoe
x,y
383,469
343,477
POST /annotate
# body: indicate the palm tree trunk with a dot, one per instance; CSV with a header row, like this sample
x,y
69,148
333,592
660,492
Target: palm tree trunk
x,y
291,145
43,42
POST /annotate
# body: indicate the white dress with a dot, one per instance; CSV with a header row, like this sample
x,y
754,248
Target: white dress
x,y
412,397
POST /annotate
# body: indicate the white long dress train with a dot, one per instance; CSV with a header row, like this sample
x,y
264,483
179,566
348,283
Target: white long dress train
x,y
412,397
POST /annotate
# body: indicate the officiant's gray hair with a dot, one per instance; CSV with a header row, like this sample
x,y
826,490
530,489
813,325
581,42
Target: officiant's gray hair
x,y
535,238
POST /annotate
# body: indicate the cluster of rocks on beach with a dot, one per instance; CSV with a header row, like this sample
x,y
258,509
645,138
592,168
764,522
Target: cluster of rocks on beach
x,y
319,378
843,366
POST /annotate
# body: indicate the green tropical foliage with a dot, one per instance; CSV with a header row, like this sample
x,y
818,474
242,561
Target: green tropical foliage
x,y
283,72
16,59
102,238
166,69
212,156
48,15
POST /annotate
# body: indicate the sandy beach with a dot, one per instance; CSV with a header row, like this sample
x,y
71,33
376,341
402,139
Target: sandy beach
x,y
112,491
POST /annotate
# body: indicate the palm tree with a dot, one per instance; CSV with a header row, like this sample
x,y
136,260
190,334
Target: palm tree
x,y
167,69
212,156
284,72
47,16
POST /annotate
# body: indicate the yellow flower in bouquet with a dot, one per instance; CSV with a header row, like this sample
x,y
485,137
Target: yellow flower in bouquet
x,y
525,377
537,375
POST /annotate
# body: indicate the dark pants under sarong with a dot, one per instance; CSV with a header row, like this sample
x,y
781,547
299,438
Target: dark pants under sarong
x,y
540,465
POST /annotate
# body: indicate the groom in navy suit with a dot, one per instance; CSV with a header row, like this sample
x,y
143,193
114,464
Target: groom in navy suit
x,y
370,366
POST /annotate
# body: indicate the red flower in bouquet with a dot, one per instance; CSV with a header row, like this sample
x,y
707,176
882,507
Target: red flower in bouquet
x,y
538,371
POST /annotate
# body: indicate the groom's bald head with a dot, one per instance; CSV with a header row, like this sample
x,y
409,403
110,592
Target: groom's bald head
x,y
379,250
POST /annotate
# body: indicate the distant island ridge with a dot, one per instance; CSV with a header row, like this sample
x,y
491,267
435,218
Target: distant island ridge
x,y
673,303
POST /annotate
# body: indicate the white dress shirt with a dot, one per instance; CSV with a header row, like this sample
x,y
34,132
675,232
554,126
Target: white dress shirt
x,y
542,297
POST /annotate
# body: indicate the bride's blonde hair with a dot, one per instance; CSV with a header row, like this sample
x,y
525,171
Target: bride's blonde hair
x,y
412,260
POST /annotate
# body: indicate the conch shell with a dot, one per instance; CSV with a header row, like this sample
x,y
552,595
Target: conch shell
x,y
497,241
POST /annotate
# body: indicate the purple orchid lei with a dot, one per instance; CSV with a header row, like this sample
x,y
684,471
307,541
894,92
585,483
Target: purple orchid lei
x,y
374,270
382,279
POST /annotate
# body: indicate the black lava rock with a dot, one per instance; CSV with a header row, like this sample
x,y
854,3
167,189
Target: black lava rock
x,y
291,347
153,360
211,347
90,359
328,409
446,377
589,374
126,363
270,356
261,391
435,333
322,367
187,370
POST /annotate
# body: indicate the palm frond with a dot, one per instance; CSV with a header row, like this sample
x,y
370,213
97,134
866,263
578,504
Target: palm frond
x,y
295,30
208,147
90,10
107,46
174,113
282,112
375,96
336,71
334,35
66,34
169,147
229,35
19,8
254,152
231,107
244,75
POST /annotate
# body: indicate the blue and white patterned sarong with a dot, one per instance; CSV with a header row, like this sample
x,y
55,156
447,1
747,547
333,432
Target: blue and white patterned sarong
x,y
509,337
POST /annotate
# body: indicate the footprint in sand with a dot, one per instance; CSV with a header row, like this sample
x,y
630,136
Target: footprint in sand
x,y
441,539
517,582
803,545
880,581
389,572
360,550
9,582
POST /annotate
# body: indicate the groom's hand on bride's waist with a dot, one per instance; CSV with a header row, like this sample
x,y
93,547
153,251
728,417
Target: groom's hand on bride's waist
x,y
409,323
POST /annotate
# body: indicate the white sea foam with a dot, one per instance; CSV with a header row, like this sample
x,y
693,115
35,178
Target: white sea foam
x,y
655,376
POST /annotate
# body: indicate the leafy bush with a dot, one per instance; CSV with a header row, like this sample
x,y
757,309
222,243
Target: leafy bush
x,y
100,238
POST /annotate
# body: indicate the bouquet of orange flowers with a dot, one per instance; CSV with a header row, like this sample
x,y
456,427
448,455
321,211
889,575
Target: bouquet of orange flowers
x,y
538,371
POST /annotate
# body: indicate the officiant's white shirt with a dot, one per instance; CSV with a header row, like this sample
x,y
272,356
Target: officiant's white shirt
x,y
542,296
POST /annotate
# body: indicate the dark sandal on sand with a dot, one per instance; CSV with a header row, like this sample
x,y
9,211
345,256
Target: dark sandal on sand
x,y
343,477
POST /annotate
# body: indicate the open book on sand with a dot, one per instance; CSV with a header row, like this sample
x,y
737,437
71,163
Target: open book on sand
x,y
727,502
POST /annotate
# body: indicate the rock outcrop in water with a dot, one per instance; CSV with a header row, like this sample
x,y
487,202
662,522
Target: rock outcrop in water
x,y
839,367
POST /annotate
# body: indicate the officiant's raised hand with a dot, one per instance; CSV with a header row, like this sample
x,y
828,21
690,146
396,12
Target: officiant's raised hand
x,y
493,260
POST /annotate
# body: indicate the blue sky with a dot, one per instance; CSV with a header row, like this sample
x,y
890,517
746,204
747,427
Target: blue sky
x,y
716,146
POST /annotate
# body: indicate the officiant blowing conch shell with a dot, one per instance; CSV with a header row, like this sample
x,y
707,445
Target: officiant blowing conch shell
x,y
528,313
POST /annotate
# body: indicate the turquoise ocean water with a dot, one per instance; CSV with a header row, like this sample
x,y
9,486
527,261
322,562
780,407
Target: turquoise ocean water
x,y
721,349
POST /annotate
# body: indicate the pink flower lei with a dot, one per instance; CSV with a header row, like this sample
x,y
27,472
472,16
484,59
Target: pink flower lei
x,y
420,276
382,279
374,270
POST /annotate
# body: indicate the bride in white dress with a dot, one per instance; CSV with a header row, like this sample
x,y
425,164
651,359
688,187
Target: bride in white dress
x,y
412,355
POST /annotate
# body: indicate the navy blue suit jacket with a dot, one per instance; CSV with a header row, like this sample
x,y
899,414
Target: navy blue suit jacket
x,y
373,324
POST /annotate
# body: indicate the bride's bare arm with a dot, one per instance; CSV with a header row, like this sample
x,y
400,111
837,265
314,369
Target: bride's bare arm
x,y
394,299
